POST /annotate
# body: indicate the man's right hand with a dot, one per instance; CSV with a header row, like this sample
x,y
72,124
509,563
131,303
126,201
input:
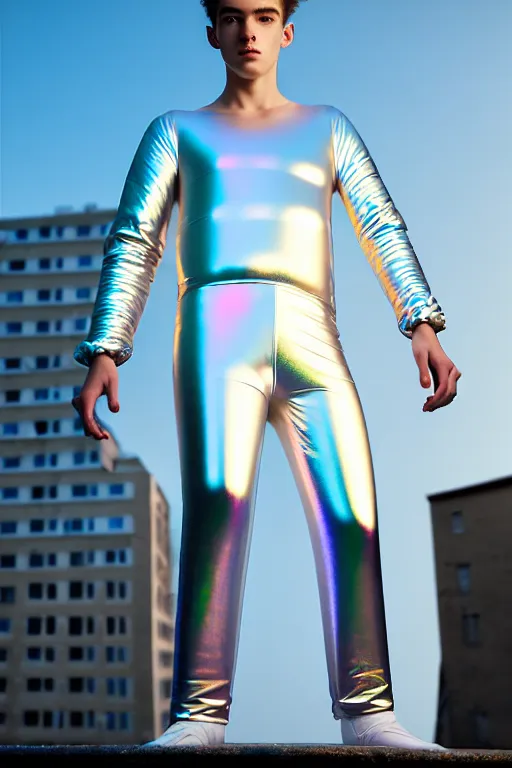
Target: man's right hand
x,y
102,379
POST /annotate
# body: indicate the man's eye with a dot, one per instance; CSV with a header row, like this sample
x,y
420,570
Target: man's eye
x,y
266,18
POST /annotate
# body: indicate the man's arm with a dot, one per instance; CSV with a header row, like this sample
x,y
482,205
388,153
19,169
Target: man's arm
x,y
134,246
381,231
132,252
382,234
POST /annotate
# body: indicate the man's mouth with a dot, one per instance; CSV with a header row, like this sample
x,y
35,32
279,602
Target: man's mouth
x,y
247,51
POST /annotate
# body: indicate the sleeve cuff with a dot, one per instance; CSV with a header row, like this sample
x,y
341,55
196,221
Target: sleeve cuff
x,y
86,351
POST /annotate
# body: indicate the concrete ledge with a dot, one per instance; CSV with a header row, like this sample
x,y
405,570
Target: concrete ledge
x,y
255,754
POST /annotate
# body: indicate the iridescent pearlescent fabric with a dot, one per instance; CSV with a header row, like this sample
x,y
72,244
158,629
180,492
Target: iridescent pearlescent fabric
x,y
256,341
255,204
246,353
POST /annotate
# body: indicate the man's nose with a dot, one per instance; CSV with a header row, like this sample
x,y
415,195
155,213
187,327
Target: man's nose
x,y
247,33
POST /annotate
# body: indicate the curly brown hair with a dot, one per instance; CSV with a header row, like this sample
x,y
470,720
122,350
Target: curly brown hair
x,y
211,7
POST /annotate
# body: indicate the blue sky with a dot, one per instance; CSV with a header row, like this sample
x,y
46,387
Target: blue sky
x,y
427,85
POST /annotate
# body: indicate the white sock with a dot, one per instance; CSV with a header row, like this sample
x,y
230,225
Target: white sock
x,y
189,733
380,729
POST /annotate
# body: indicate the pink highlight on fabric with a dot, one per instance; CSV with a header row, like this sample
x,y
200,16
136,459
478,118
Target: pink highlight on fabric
x,y
229,306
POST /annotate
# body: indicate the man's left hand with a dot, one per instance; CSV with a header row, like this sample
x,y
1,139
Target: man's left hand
x,y
435,367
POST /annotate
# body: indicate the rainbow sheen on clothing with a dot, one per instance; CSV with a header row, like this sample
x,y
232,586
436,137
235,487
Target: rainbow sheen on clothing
x,y
254,204
246,354
256,341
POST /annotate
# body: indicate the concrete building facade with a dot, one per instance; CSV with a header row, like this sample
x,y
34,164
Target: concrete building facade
x,y
86,617
472,529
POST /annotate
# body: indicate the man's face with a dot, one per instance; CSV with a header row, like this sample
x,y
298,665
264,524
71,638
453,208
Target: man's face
x,y
250,35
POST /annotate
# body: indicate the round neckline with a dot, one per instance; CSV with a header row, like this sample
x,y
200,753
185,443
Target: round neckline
x,y
247,124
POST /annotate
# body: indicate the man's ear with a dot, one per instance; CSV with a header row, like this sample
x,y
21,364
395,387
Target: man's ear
x,y
212,38
288,35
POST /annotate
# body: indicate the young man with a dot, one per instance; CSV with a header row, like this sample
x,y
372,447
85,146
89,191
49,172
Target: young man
x,y
256,341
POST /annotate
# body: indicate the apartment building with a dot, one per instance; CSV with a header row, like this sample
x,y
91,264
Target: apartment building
x,y
86,620
472,538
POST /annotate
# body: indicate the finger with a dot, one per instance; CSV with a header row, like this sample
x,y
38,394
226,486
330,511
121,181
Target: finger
x,y
91,426
112,394
434,400
422,363
446,392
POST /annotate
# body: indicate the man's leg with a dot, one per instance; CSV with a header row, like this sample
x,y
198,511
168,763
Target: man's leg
x,y
325,438
221,409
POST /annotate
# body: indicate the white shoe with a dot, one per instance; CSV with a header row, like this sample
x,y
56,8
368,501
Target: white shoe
x,y
188,733
381,729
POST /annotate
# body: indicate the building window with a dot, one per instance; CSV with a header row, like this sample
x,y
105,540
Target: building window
x,y
464,578
116,654
76,719
36,560
59,262
116,625
76,684
39,684
58,294
79,458
76,590
115,523
165,659
36,526
83,230
42,362
17,265
22,234
13,396
41,427
165,689
78,625
7,561
80,324
471,628
10,493
78,491
85,261
12,363
31,717
83,293
41,394
14,327
36,591
10,429
3,655
116,489
76,558
5,626
44,232
8,526
457,522
7,595
12,462
14,297
34,653
43,294
44,264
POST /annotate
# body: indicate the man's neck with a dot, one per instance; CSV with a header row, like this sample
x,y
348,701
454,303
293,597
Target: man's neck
x,y
250,97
